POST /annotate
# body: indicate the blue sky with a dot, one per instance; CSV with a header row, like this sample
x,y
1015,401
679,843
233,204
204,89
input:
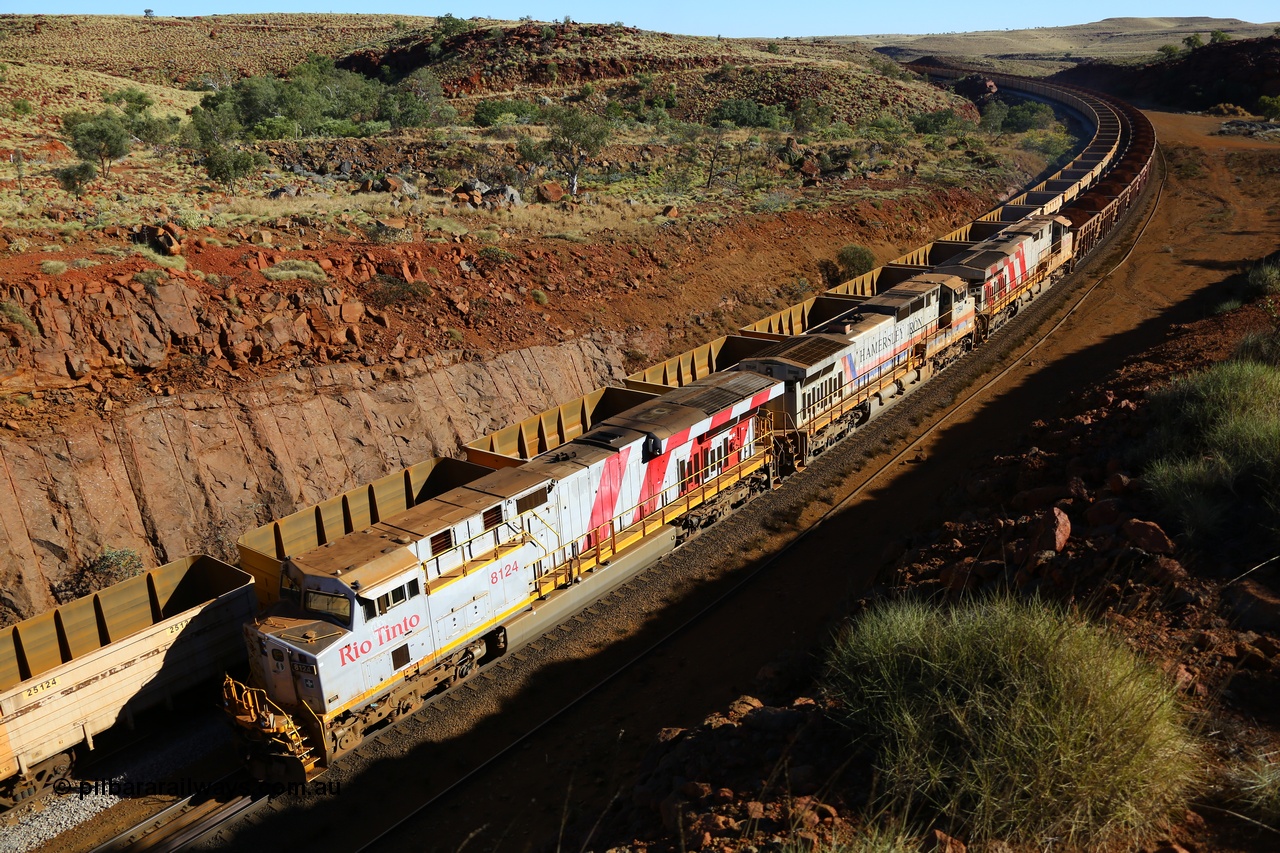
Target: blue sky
x,y
717,17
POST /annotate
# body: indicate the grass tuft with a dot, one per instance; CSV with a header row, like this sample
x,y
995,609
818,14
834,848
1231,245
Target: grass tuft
x,y
1256,789
13,312
1214,453
173,262
288,270
53,267
1019,721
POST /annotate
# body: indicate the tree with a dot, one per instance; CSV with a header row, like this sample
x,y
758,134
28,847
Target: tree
x,y
1218,37
104,137
75,178
1269,106
131,99
855,260
19,161
1169,51
576,138
148,13
1193,41
993,116
228,165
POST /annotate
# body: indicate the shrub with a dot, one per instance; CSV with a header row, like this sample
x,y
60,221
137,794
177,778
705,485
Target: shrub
x,y
53,267
288,270
855,260
21,107
1014,719
745,113
939,121
495,255
488,112
13,312
1029,116
540,296
1269,107
385,291
1263,280
110,566
76,177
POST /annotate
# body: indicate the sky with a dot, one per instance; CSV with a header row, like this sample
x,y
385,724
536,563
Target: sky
x,y
763,18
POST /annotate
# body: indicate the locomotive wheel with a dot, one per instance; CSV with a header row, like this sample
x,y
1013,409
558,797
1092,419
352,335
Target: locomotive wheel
x,y
465,666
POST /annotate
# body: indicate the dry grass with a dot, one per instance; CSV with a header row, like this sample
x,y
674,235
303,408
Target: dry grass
x,y
178,50
293,269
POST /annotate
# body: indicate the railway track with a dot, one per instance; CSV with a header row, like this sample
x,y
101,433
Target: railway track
x,y
407,829
191,819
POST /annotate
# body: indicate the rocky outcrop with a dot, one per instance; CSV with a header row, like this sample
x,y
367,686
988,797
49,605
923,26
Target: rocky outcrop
x,y
189,473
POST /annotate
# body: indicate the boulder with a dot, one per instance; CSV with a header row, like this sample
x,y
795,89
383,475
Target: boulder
x,y
1053,531
1148,536
671,211
550,192
1254,606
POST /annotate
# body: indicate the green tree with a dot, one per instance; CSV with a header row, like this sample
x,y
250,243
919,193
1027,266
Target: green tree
x,y
1029,116
1193,41
75,178
19,160
576,138
450,26
993,116
131,99
855,260
103,137
810,115
1169,51
1218,37
1269,107
418,100
228,165
212,126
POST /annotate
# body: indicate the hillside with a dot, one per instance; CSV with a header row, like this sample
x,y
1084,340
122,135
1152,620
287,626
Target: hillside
x,y
1046,49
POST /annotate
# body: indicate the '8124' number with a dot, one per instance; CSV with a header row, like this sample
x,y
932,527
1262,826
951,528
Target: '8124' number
x,y
505,572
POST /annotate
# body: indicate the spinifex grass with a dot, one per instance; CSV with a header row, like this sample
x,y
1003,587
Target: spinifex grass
x,y
1014,721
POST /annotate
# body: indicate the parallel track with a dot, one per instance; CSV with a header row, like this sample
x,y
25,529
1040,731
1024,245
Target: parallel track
x,y
189,820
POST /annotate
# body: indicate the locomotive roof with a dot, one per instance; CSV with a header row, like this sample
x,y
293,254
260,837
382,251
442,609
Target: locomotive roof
x,y
802,350
677,409
974,262
915,287
379,552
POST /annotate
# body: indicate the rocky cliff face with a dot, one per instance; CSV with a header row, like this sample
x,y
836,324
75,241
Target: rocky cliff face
x,y
189,473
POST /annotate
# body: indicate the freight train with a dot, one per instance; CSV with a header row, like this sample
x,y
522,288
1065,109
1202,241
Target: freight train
x,y
380,597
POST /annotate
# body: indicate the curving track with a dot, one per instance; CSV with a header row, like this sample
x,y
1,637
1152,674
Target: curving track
x,y
1095,191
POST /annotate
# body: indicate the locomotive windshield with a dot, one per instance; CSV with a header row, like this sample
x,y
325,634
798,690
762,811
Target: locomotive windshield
x,y
327,605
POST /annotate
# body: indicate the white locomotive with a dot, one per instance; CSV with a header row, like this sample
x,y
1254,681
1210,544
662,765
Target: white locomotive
x,y
372,622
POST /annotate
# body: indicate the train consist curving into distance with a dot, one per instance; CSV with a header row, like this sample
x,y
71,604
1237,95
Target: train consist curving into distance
x,y
380,597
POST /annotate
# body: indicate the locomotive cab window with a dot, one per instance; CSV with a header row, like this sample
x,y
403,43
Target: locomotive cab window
x,y
327,605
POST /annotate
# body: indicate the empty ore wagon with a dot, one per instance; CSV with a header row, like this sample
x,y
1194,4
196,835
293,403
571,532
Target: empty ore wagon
x,y
68,674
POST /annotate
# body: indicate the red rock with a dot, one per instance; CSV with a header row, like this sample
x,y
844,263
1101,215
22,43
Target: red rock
x,y
1104,513
1119,483
755,810
671,211
939,842
550,192
1148,536
1053,531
